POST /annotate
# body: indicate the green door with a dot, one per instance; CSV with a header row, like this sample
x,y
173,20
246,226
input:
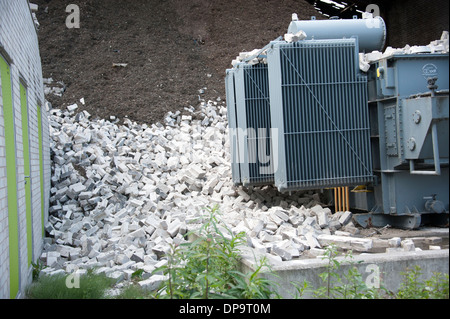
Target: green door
x,y
27,172
10,147
41,165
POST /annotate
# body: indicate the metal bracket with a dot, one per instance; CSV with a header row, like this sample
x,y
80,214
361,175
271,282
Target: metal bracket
x,y
434,138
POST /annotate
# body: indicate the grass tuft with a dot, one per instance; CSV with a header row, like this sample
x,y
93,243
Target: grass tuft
x,y
91,286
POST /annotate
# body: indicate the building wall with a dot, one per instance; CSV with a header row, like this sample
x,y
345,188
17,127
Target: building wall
x,y
19,48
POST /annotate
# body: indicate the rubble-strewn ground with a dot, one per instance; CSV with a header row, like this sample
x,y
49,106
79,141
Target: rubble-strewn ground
x,y
122,194
172,49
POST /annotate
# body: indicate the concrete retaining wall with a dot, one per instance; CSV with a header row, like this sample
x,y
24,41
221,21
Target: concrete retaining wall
x,y
390,266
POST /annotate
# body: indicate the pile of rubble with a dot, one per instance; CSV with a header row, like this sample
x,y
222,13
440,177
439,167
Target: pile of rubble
x,y
123,193
440,46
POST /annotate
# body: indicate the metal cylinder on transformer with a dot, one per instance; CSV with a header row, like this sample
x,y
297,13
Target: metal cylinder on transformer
x,y
371,32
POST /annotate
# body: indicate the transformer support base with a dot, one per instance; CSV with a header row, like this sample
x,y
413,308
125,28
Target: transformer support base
x,y
380,220
410,221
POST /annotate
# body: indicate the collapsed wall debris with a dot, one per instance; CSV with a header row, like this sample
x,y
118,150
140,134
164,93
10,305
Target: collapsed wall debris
x,y
122,193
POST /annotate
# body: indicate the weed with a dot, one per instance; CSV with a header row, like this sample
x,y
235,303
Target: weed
x,y
349,285
37,268
251,285
133,291
437,286
207,267
137,275
412,288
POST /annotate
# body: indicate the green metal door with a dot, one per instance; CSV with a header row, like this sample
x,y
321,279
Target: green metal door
x,y
27,172
10,147
41,165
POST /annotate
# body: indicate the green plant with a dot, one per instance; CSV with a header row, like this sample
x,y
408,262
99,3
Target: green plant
x,y
412,288
91,286
330,277
207,267
437,286
300,290
137,275
37,268
354,286
349,285
251,285
132,291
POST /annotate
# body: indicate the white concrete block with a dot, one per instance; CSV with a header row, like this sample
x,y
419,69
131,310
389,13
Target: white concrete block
x,y
195,171
322,219
135,202
152,283
312,241
408,245
284,216
395,242
173,162
283,253
345,218
265,237
121,259
255,243
311,220
318,252
72,107
174,227
117,275
274,218
138,233
358,244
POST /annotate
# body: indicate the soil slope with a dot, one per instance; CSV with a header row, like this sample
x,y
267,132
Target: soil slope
x,y
172,49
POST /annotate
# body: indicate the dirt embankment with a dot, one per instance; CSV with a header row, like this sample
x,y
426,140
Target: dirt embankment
x,y
171,48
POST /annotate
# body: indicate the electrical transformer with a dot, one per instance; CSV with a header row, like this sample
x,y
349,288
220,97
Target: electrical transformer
x,y
303,115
